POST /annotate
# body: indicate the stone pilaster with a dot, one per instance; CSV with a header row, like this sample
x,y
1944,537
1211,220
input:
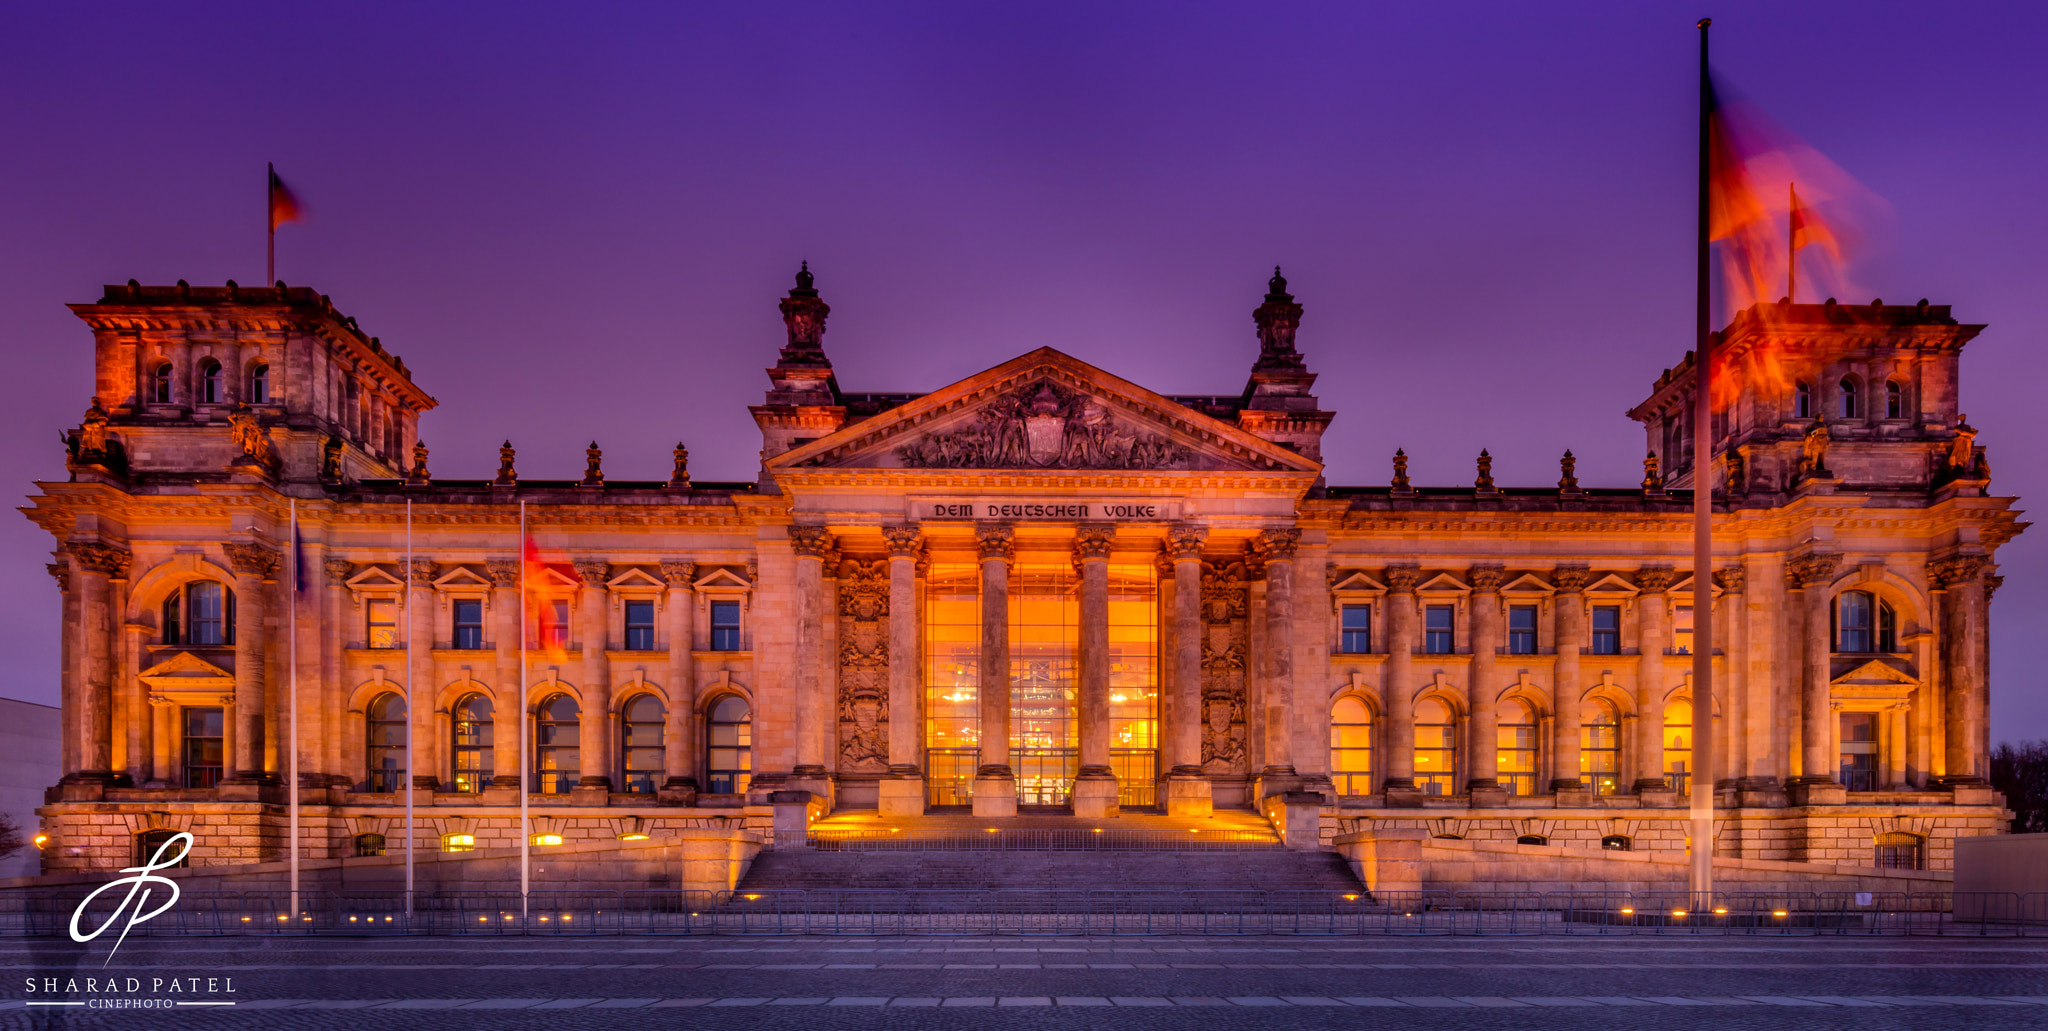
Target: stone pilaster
x,y
1095,786
679,747
1964,604
1812,573
98,568
1187,791
342,750
508,709
812,720
1275,550
901,792
995,784
1568,626
1653,632
1399,692
1482,747
594,735
1735,745
255,567
71,651
424,721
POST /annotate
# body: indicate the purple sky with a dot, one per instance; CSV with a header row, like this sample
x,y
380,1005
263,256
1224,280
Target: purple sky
x,y
574,221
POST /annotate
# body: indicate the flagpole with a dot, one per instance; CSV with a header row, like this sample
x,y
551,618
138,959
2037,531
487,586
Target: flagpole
x,y
292,703
1792,243
525,838
412,702
270,220
1703,764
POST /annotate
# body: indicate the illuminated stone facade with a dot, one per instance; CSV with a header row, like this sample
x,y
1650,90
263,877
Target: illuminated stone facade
x,y
1186,614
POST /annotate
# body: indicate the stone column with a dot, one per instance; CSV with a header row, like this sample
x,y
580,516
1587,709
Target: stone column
x,y
901,792
679,754
338,756
255,567
133,721
1482,779
509,707
1812,574
1095,786
594,734
1569,627
1275,549
810,543
1398,693
1653,633
71,651
99,567
1961,578
995,784
1313,624
1731,627
423,680
1187,790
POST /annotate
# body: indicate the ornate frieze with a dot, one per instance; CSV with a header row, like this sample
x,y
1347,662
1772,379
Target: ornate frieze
x,y
1223,592
1224,647
1045,426
863,665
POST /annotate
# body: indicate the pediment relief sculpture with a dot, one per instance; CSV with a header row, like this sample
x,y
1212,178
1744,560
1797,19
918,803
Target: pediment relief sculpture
x,y
1046,426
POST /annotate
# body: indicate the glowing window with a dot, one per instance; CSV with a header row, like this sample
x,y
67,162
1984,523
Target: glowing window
x,y
731,737
1600,749
1678,746
1436,748
1351,746
458,842
385,752
1515,751
642,744
557,742
472,728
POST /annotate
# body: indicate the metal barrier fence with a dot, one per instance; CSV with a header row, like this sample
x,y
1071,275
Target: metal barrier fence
x,y
45,912
1046,840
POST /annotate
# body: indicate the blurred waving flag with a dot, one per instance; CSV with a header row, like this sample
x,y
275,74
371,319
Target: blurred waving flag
x,y
547,607
284,204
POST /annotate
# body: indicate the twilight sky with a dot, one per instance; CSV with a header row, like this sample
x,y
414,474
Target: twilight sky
x,y
574,220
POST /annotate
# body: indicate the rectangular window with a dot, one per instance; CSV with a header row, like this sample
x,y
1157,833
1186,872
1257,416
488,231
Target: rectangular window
x,y
1859,751
469,624
725,626
382,616
1681,630
204,736
1521,630
1437,635
554,624
1357,630
1607,630
639,626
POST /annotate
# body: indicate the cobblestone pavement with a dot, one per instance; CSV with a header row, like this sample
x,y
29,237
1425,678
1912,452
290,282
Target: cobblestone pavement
x,y
883,983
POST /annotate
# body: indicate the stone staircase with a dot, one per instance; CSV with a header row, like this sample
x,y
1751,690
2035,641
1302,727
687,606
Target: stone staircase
x,y
1065,871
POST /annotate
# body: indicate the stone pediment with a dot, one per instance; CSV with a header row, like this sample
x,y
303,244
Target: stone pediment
x,y
1044,411
1878,671
186,670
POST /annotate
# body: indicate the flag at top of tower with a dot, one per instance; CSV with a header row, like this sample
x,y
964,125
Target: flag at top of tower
x,y
1771,196
284,204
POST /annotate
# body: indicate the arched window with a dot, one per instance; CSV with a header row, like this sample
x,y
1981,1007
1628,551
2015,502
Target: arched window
x,y
1436,748
369,845
385,752
160,384
259,384
209,382
1678,746
560,728
1616,843
148,843
1351,746
1532,839
1802,400
473,734
1894,400
641,742
1848,402
1516,754
1863,624
1600,749
201,612
1898,850
730,757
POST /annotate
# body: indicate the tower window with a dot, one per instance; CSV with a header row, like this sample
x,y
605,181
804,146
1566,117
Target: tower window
x,y
1438,637
202,612
1864,623
1600,750
209,383
259,384
554,624
1849,405
1802,400
1859,751
160,384
1894,400
1357,630
1351,746
1521,630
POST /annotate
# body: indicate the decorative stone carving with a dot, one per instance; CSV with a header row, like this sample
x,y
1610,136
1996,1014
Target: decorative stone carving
x,y
1655,579
1737,480
1223,702
92,433
1182,541
1571,579
251,441
1092,542
507,475
995,541
1402,579
679,574
257,560
902,540
1485,480
330,460
592,572
1486,579
1044,426
1813,455
679,472
62,573
1277,319
1991,586
1568,467
1731,580
593,466
418,477
809,541
1223,592
504,572
338,570
1957,569
104,559
864,589
863,666
1401,485
803,315
1275,545
1653,481
1813,568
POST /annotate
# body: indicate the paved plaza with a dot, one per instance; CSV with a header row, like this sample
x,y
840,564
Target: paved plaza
x,y
1080,983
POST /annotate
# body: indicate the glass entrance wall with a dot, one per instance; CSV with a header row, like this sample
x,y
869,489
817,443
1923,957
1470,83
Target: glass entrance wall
x,y
1134,681
952,649
1045,624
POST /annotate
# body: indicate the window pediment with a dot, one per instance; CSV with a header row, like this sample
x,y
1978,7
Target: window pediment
x,y
721,579
375,578
461,578
1443,583
1612,586
634,578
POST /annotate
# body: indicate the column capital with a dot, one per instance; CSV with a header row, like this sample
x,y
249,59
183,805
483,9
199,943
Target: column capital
x,y
1275,545
62,572
105,559
1812,569
1955,571
1731,580
679,573
1185,541
422,572
1655,579
903,541
1486,579
337,570
995,540
257,560
592,572
1092,542
1402,579
504,572
1570,579
809,541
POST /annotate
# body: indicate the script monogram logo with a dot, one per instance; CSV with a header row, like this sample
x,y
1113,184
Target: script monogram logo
x,y
144,874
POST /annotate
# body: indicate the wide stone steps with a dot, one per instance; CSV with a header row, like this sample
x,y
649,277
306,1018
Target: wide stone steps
x,y
1049,871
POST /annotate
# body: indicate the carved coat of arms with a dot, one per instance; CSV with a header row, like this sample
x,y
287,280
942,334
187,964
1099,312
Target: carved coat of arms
x,y
1045,426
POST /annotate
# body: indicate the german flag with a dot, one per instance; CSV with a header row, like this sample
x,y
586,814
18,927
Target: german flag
x,y
284,205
